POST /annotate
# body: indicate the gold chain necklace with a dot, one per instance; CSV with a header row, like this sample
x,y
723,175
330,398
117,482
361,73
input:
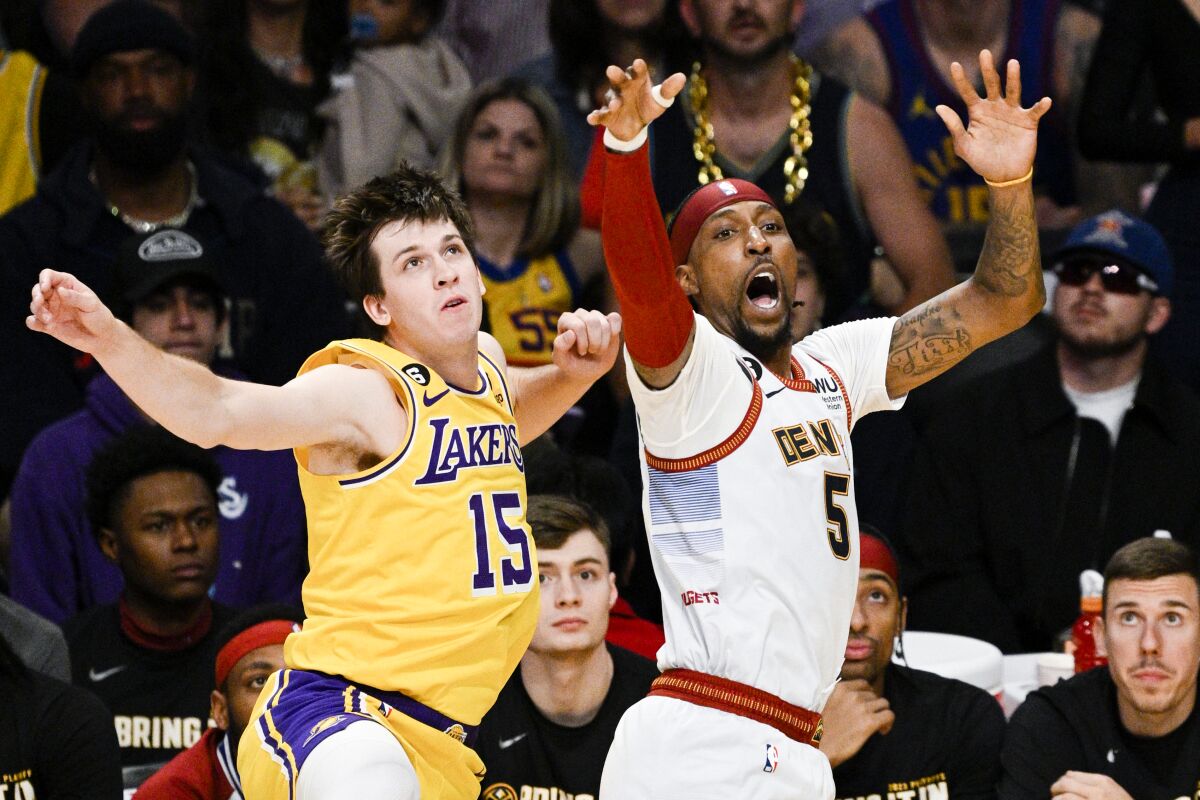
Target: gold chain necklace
x,y
795,168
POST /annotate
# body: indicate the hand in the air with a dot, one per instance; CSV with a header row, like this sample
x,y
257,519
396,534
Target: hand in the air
x,y
65,308
631,105
1001,137
587,343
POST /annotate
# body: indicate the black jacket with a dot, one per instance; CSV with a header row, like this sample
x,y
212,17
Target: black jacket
x,y
285,304
999,523
1074,725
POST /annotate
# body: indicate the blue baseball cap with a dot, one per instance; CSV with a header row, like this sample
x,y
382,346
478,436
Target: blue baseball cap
x,y
1115,233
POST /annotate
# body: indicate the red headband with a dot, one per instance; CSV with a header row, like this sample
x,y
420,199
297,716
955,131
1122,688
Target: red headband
x,y
273,631
702,204
875,554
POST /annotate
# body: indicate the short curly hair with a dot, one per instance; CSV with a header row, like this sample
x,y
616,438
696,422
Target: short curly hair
x,y
139,452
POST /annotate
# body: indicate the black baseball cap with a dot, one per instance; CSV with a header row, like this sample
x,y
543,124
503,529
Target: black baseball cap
x,y
148,262
127,25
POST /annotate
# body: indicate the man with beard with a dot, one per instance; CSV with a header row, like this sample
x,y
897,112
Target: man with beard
x,y
1040,471
747,469
753,110
136,173
888,724
1131,729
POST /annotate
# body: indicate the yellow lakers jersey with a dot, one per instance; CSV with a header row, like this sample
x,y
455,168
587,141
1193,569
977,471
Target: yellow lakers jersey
x,y
423,575
523,302
21,83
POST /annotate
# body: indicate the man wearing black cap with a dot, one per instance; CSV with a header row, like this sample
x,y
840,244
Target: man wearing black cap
x,y
172,294
890,727
747,466
1031,475
135,174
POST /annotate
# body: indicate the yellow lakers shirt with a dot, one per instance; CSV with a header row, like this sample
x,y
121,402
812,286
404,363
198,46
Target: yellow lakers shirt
x,y
423,571
21,82
523,302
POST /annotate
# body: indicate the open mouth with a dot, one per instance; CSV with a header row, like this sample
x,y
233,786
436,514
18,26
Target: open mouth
x,y
763,290
454,302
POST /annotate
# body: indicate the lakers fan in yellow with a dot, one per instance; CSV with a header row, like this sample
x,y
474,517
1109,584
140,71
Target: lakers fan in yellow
x,y
422,594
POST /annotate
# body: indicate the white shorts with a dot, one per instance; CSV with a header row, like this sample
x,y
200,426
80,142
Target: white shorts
x,y
668,749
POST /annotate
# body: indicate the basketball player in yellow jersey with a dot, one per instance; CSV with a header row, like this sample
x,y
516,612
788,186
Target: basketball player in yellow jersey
x,y
422,595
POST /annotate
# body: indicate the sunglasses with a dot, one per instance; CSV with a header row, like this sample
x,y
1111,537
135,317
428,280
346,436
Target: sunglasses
x,y
1116,278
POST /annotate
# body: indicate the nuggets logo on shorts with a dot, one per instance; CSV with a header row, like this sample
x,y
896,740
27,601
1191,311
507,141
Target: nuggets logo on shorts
x,y
323,725
499,791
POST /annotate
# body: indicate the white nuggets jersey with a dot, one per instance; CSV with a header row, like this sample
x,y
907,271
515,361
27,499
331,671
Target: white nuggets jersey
x,y
749,506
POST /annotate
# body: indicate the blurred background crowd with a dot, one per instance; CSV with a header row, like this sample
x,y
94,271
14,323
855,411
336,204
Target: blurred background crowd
x,y
178,156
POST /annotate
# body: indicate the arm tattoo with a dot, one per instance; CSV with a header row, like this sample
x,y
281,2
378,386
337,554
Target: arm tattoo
x,y
1010,249
929,339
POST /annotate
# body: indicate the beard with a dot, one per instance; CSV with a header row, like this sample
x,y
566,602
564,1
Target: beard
x,y
1110,347
145,153
763,346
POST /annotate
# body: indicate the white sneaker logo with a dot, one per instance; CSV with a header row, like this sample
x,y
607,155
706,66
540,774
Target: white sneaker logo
x,y
96,677
507,743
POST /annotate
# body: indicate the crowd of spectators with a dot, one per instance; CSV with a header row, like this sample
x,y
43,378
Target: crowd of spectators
x,y
178,156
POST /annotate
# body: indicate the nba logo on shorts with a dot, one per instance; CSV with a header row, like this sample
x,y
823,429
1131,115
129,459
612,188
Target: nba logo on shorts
x,y
772,759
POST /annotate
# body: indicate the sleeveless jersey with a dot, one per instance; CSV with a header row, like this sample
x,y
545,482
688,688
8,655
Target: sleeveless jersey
x,y
523,302
955,193
423,573
21,82
754,538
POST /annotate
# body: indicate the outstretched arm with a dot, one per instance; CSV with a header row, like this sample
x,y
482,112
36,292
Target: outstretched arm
x,y
659,322
1006,289
334,405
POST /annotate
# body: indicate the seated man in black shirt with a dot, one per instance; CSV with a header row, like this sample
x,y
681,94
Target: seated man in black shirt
x,y
56,742
1131,730
551,727
152,499
892,730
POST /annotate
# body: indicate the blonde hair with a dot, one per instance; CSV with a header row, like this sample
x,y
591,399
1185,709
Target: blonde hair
x,y
554,217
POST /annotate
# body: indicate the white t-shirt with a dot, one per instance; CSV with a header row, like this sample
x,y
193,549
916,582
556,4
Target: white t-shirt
x,y
749,505
1108,406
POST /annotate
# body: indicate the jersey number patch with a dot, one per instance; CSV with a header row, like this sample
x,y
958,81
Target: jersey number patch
x,y
513,578
837,485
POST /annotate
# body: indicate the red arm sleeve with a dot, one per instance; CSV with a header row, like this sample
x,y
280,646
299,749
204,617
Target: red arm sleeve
x,y
656,315
591,188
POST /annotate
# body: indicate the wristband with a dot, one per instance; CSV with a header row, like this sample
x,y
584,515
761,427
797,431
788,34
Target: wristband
x,y
1013,182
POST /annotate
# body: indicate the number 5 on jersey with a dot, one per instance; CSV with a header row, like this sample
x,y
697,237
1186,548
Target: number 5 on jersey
x,y
514,577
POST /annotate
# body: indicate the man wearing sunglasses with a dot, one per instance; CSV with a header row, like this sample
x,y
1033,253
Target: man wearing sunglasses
x,y
1045,468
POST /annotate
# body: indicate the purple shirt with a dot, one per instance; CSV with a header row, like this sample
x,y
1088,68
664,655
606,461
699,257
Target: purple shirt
x,y
57,568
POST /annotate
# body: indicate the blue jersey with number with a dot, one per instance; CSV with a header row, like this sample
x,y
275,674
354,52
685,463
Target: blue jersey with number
x,y
956,194
423,573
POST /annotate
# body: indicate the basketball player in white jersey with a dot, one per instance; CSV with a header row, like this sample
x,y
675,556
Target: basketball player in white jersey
x,y
749,499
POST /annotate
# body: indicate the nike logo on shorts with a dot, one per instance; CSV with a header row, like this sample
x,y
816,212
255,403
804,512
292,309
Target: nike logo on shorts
x,y
507,743
96,677
431,400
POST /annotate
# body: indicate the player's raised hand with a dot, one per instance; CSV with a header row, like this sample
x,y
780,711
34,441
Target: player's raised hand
x,y
68,310
632,105
1001,137
587,343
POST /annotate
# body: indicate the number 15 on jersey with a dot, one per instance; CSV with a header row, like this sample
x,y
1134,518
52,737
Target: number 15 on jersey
x,y
516,564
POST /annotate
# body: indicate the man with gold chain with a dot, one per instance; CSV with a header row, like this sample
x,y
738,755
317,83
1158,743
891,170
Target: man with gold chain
x,y
755,111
